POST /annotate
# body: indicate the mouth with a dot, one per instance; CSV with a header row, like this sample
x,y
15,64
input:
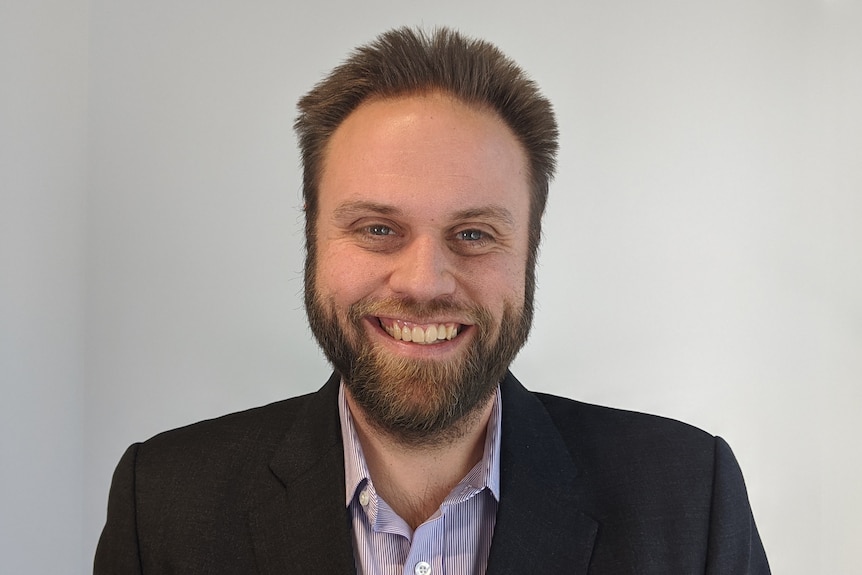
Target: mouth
x,y
432,333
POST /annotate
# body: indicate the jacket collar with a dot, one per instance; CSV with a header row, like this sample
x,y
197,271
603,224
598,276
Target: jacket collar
x,y
539,529
300,524
298,519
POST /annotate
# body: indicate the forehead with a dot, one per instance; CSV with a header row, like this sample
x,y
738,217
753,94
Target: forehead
x,y
429,150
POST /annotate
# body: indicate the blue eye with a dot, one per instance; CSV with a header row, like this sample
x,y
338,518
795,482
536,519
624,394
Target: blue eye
x,y
472,235
379,230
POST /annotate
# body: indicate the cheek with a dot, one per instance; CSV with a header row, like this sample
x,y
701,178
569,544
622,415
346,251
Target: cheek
x,y
499,282
515,285
344,276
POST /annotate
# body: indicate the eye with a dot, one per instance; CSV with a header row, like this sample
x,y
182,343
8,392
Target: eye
x,y
473,241
377,236
379,230
472,235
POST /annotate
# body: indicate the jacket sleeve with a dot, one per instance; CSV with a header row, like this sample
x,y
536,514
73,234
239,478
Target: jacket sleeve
x,y
118,552
734,543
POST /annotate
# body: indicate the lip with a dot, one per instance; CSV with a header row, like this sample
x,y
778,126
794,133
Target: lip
x,y
439,349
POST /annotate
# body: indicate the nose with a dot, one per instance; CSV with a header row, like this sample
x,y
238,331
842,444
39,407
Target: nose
x,y
423,270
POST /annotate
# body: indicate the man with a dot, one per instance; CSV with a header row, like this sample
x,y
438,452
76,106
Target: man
x,y
426,168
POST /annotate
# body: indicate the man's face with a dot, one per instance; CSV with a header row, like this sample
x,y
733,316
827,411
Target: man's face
x,y
418,292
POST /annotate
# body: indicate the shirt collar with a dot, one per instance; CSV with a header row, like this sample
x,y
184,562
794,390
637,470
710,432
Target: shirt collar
x,y
485,474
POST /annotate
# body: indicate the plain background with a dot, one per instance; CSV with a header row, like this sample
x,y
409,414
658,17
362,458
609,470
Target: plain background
x,y
701,256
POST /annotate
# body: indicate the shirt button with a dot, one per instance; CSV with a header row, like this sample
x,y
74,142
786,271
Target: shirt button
x,y
363,497
422,568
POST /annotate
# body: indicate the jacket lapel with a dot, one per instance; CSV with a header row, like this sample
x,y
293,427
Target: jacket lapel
x,y
300,524
539,528
298,518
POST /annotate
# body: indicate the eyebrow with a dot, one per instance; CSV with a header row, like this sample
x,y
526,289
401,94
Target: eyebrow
x,y
492,212
350,209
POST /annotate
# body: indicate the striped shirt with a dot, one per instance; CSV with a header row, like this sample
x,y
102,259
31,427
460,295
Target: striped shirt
x,y
455,540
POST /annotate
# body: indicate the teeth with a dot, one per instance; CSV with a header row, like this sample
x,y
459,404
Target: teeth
x,y
430,334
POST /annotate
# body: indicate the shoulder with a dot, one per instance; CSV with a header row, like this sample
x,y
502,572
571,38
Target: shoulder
x,y
608,439
188,492
646,477
191,472
238,442
637,461
573,417
258,427
637,468
612,446
589,422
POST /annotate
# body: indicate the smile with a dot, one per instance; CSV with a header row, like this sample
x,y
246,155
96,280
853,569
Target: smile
x,y
425,334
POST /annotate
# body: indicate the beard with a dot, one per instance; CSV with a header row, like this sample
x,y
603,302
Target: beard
x,y
418,402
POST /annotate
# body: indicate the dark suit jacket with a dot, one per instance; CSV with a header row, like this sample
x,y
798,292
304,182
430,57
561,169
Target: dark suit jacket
x,y
584,489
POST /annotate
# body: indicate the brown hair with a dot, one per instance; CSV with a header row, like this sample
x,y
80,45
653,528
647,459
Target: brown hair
x,y
408,61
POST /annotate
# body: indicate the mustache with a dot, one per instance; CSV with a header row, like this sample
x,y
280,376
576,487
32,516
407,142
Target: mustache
x,y
420,310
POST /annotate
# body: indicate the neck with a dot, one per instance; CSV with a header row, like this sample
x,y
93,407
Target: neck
x,y
414,480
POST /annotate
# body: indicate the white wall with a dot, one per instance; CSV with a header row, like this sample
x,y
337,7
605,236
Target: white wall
x,y
43,162
701,259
